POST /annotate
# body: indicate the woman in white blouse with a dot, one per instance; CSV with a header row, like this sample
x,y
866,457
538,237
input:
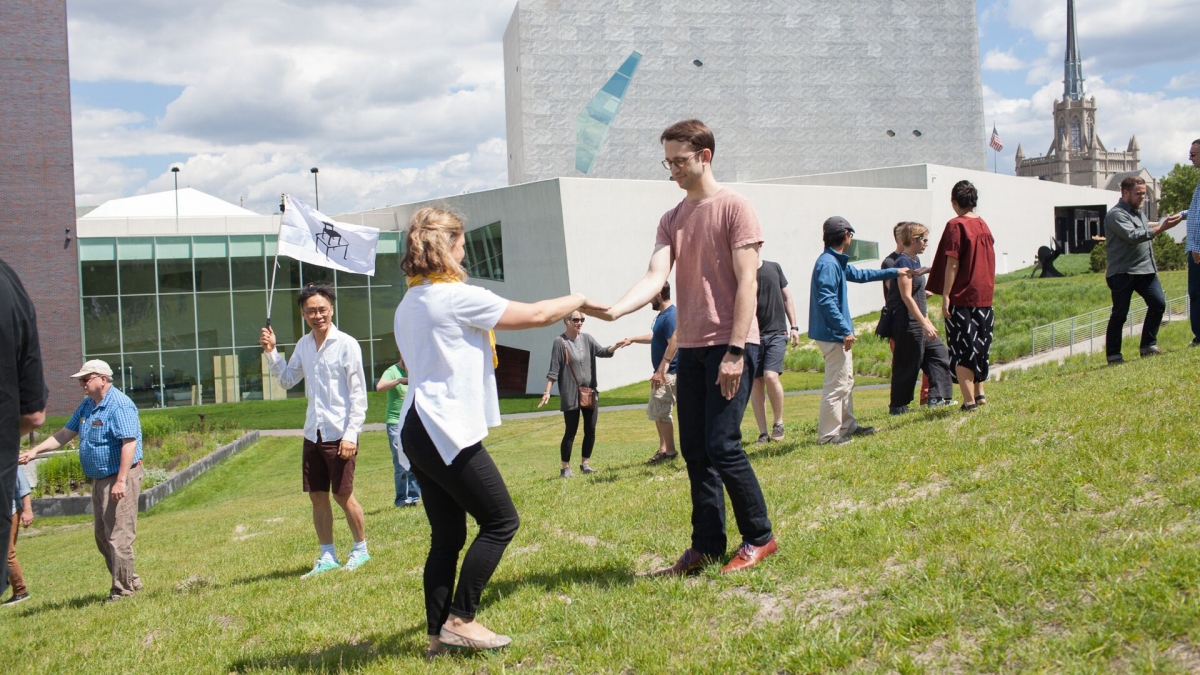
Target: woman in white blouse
x,y
444,329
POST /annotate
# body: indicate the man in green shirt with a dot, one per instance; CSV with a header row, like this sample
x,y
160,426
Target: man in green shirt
x,y
395,383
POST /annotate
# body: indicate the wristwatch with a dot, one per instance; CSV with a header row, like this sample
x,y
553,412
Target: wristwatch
x,y
734,350
796,328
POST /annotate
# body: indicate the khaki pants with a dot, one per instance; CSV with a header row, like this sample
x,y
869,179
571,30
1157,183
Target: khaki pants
x,y
14,567
116,527
837,396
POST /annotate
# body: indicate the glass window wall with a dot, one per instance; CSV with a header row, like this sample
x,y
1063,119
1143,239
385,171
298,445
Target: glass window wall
x,y
178,318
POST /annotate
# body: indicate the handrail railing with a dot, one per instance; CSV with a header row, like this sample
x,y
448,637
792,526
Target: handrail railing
x,y
1076,330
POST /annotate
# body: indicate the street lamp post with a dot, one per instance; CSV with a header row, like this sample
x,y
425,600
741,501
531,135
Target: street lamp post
x,y
316,191
175,172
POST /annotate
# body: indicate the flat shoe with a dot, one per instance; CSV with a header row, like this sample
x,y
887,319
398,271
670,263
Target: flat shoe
x,y
449,638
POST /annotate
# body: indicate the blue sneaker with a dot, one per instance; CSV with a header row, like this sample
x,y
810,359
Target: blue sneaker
x,y
323,565
356,560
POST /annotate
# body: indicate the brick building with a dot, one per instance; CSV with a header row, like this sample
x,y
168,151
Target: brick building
x,y
37,181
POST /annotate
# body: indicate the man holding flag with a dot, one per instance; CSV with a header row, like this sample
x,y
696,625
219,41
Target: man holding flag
x,y
331,363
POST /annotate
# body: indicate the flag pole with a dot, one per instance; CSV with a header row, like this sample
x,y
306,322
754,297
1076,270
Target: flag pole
x,y
275,263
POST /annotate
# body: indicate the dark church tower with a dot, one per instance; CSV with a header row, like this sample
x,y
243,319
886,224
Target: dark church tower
x,y
37,182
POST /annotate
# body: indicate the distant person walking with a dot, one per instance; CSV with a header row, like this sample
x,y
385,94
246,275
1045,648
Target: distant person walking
x,y
395,383
663,361
1193,248
110,450
331,362
443,329
22,516
22,386
573,365
964,274
917,347
831,327
1132,269
776,314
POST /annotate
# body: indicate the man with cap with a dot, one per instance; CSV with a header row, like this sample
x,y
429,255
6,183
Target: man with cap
x,y
110,450
830,326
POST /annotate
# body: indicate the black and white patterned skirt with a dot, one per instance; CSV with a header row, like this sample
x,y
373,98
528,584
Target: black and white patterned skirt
x,y
969,339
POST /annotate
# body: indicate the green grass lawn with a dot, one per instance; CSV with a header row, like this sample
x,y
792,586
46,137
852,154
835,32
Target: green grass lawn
x,y
1054,531
289,413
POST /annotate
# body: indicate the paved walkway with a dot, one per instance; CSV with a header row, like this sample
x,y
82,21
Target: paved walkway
x,y
1059,355
553,413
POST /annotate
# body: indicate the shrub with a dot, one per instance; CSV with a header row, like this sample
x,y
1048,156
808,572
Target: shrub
x,y
60,474
157,427
1098,261
153,477
1169,254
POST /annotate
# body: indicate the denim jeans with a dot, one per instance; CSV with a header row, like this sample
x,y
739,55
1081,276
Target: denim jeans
x,y
1194,296
1123,286
407,490
710,435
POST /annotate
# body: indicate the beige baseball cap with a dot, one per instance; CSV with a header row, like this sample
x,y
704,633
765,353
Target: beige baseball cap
x,y
95,366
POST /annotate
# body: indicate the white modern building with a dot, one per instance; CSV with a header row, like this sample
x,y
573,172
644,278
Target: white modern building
x,y
790,87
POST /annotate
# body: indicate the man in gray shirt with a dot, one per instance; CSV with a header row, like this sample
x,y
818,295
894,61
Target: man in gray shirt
x,y
1131,267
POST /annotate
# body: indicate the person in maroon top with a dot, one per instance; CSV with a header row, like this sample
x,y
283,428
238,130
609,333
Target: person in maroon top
x,y
964,274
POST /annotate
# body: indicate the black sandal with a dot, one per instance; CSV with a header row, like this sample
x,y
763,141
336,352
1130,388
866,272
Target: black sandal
x,y
969,407
979,400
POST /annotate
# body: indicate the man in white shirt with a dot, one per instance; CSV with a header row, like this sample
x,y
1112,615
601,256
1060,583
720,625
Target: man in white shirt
x,y
331,362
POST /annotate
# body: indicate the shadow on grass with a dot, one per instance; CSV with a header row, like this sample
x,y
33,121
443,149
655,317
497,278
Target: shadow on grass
x,y
610,576
72,603
340,657
290,573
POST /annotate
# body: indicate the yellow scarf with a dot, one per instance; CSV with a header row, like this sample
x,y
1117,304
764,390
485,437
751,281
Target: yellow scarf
x,y
445,278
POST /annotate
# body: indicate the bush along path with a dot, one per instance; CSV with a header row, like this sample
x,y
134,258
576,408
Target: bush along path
x,y
1041,534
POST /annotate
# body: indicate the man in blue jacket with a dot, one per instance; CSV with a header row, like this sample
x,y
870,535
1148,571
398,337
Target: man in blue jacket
x,y
830,326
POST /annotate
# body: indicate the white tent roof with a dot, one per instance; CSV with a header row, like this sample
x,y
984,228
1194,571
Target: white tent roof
x,y
192,203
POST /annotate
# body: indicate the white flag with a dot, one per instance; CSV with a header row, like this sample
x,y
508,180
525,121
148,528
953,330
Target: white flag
x,y
310,236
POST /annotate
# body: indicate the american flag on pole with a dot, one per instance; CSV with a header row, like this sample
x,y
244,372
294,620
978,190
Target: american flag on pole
x,y
995,142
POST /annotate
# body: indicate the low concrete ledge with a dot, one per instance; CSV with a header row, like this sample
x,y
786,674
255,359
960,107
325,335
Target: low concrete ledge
x,y
74,506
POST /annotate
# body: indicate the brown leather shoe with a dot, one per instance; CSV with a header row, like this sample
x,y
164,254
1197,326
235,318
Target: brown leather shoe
x,y
748,556
691,562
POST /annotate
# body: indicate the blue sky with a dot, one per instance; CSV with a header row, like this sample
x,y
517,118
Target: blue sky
x,y
137,113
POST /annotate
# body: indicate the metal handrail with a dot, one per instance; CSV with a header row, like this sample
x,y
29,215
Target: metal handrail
x,y
1086,327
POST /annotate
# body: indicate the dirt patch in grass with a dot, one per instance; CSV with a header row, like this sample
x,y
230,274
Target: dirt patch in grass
x,y
194,583
1186,654
942,656
770,608
908,496
585,539
830,604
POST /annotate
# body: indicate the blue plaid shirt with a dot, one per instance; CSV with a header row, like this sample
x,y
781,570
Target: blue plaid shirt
x,y
102,428
1193,222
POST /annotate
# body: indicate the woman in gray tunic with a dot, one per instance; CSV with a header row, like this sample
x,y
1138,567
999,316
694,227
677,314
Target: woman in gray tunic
x,y
583,349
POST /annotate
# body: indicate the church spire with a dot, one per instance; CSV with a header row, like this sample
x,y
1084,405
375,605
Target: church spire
x,y
1073,64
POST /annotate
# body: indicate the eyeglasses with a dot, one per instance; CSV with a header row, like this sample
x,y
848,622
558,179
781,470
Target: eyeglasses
x,y
576,320
314,313
86,378
923,240
678,162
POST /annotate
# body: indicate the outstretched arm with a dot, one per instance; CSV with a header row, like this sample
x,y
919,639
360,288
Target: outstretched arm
x,y
522,315
641,293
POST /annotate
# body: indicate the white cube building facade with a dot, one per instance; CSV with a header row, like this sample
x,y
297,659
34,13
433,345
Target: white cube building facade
x,y
790,87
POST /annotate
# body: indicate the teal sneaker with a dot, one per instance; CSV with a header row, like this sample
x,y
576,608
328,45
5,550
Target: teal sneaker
x,y
356,560
323,565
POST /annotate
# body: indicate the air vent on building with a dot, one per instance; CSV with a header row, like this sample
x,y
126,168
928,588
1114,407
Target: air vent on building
x,y
698,63
891,134
917,133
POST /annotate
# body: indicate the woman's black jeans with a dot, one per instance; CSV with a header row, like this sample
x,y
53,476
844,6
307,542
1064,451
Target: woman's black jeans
x,y
915,353
471,484
571,417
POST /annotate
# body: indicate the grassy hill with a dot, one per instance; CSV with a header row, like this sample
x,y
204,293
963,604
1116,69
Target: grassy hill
x,y
1055,530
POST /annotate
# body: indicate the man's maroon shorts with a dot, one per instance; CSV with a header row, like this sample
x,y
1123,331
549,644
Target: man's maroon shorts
x,y
324,469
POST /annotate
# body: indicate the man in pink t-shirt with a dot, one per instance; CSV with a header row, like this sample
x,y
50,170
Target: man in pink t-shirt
x,y
712,238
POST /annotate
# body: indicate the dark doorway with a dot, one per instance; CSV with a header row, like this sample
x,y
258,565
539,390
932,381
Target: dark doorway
x,y
513,370
1077,227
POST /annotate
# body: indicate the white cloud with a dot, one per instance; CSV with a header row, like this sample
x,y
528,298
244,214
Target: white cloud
x,y
1185,81
369,90
1003,61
